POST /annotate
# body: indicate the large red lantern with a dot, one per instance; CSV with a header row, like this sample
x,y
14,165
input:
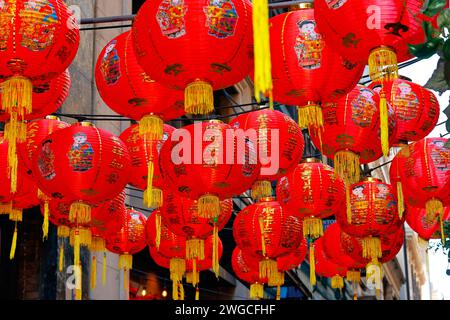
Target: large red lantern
x,y
416,109
129,240
165,31
39,41
351,132
208,165
373,207
129,91
280,145
314,192
245,273
424,227
181,216
83,165
306,70
421,175
146,169
373,31
267,231
327,268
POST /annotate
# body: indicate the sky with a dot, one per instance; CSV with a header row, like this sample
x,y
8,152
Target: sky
x,y
420,72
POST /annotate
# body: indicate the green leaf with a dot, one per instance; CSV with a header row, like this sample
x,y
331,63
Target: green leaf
x,y
446,50
447,126
438,81
447,111
443,19
434,7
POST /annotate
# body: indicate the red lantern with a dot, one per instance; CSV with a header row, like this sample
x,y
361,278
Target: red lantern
x,y
373,208
267,231
312,191
39,41
379,32
81,164
280,142
164,33
129,240
245,273
425,228
181,216
326,268
351,134
421,175
416,109
306,70
129,91
209,164
146,169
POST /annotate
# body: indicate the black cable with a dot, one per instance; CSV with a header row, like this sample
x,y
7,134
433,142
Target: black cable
x,y
105,27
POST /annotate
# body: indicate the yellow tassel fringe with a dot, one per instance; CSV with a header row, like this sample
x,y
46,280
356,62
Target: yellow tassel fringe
x,y
384,124
312,227
84,236
278,296
97,244
153,198
104,269
45,223
13,244
80,213
256,291
312,266
199,98
261,189
310,116
215,253
383,64
195,249
158,230
151,127
337,282
61,257
177,269
126,261
262,231
16,215
353,276
400,200
197,294
347,166
208,206
268,268
15,132
371,248
63,232
93,272
6,208
17,95
348,203
434,208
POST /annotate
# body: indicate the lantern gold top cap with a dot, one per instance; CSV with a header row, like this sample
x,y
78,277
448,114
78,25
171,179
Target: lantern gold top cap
x,y
215,121
371,179
85,124
266,199
52,117
310,160
300,6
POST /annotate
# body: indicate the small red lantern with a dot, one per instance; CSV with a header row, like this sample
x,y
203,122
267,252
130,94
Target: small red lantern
x,y
129,240
326,268
416,109
306,70
245,273
351,132
129,91
208,165
424,227
312,191
280,145
267,231
373,207
83,165
146,169
421,175
221,34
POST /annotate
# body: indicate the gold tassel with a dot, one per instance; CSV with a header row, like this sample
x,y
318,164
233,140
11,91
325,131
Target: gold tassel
x,y
45,223
126,261
268,268
261,189
337,282
215,253
256,291
76,247
263,241
16,215
208,206
158,230
151,127
261,37
441,220
6,208
104,269
80,213
84,236
312,227
355,294
310,116
194,275
400,200
15,132
195,249
97,244
278,297
125,280
383,64
181,290
61,257
434,208
175,295
353,276
347,166
93,272
404,151
348,203
312,266
197,293
153,198
63,232
13,244
177,269
384,124
17,95
199,98
148,191
371,247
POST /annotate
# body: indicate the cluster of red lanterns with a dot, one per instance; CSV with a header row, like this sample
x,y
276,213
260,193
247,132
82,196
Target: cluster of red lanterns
x,y
189,175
